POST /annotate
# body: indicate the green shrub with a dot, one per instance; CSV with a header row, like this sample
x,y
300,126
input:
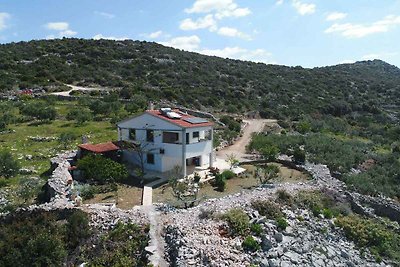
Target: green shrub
x,y
250,244
228,174
381,240
256,228
9,167
270,152
267,208
220,182
328,214
87,192
284,197
77,228
299,155
281,223
123,246
39,110
238,221
101,169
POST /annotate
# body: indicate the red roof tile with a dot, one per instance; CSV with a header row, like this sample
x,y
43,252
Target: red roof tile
x,y
180,122
99,148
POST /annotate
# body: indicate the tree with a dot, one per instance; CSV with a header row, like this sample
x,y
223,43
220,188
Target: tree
x,y
80,116
141,149
39,110
265,174
8,165
232,160
184,189
270,152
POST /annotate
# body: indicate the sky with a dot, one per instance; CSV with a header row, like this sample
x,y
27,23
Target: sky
x,y
306,33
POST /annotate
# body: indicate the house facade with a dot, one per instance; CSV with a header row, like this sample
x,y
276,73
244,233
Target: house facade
x,y
168,138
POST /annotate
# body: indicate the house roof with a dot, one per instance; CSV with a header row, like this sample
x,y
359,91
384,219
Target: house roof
x,y
181,121
99,148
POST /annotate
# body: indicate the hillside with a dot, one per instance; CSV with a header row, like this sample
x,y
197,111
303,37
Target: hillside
x,y
192,79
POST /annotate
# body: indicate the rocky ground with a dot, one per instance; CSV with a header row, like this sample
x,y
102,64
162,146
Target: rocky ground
x,y
194,236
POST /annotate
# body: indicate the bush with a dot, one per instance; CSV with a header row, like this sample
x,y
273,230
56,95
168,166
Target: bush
x,y
328,214
270,152
299,155
40,238
9,167
281,223
220,182
238,221
101,169
228,174
256,228
284,197
250,244
40,110
267,208
321,203
67,138
372,234
77,228
80,116
122,246
87,192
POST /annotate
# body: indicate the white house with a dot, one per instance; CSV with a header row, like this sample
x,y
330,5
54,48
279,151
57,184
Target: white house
x,y
169,138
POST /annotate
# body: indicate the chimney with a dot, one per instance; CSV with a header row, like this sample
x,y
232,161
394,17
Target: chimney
x,y
151,105
84,139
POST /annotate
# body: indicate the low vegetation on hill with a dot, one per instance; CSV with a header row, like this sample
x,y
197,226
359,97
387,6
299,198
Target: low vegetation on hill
x,y
60,238
151,71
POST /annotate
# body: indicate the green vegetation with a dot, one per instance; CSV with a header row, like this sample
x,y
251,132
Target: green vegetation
x,y
238,221
8,165
326,203
284,197
55,238
268,209
40,110
369,233
341,154
266,173
101,169
122,246
153,71
41,239
220,182
281,223
250,244
256,228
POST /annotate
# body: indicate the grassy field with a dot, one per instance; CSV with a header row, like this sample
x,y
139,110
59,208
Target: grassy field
x,y
20,145
36,155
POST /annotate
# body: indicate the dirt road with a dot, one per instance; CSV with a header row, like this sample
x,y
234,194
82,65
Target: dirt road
x,y
76,88
239,147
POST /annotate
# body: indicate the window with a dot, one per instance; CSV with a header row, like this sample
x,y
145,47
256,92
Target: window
x,y
132,134
150,136
150,158
187,138
170,137
196,134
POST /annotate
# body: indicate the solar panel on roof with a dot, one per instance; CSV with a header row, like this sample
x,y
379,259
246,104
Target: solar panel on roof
x,y
195,120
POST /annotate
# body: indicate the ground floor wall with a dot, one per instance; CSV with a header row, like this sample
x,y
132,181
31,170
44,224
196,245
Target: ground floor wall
x,y
163,163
